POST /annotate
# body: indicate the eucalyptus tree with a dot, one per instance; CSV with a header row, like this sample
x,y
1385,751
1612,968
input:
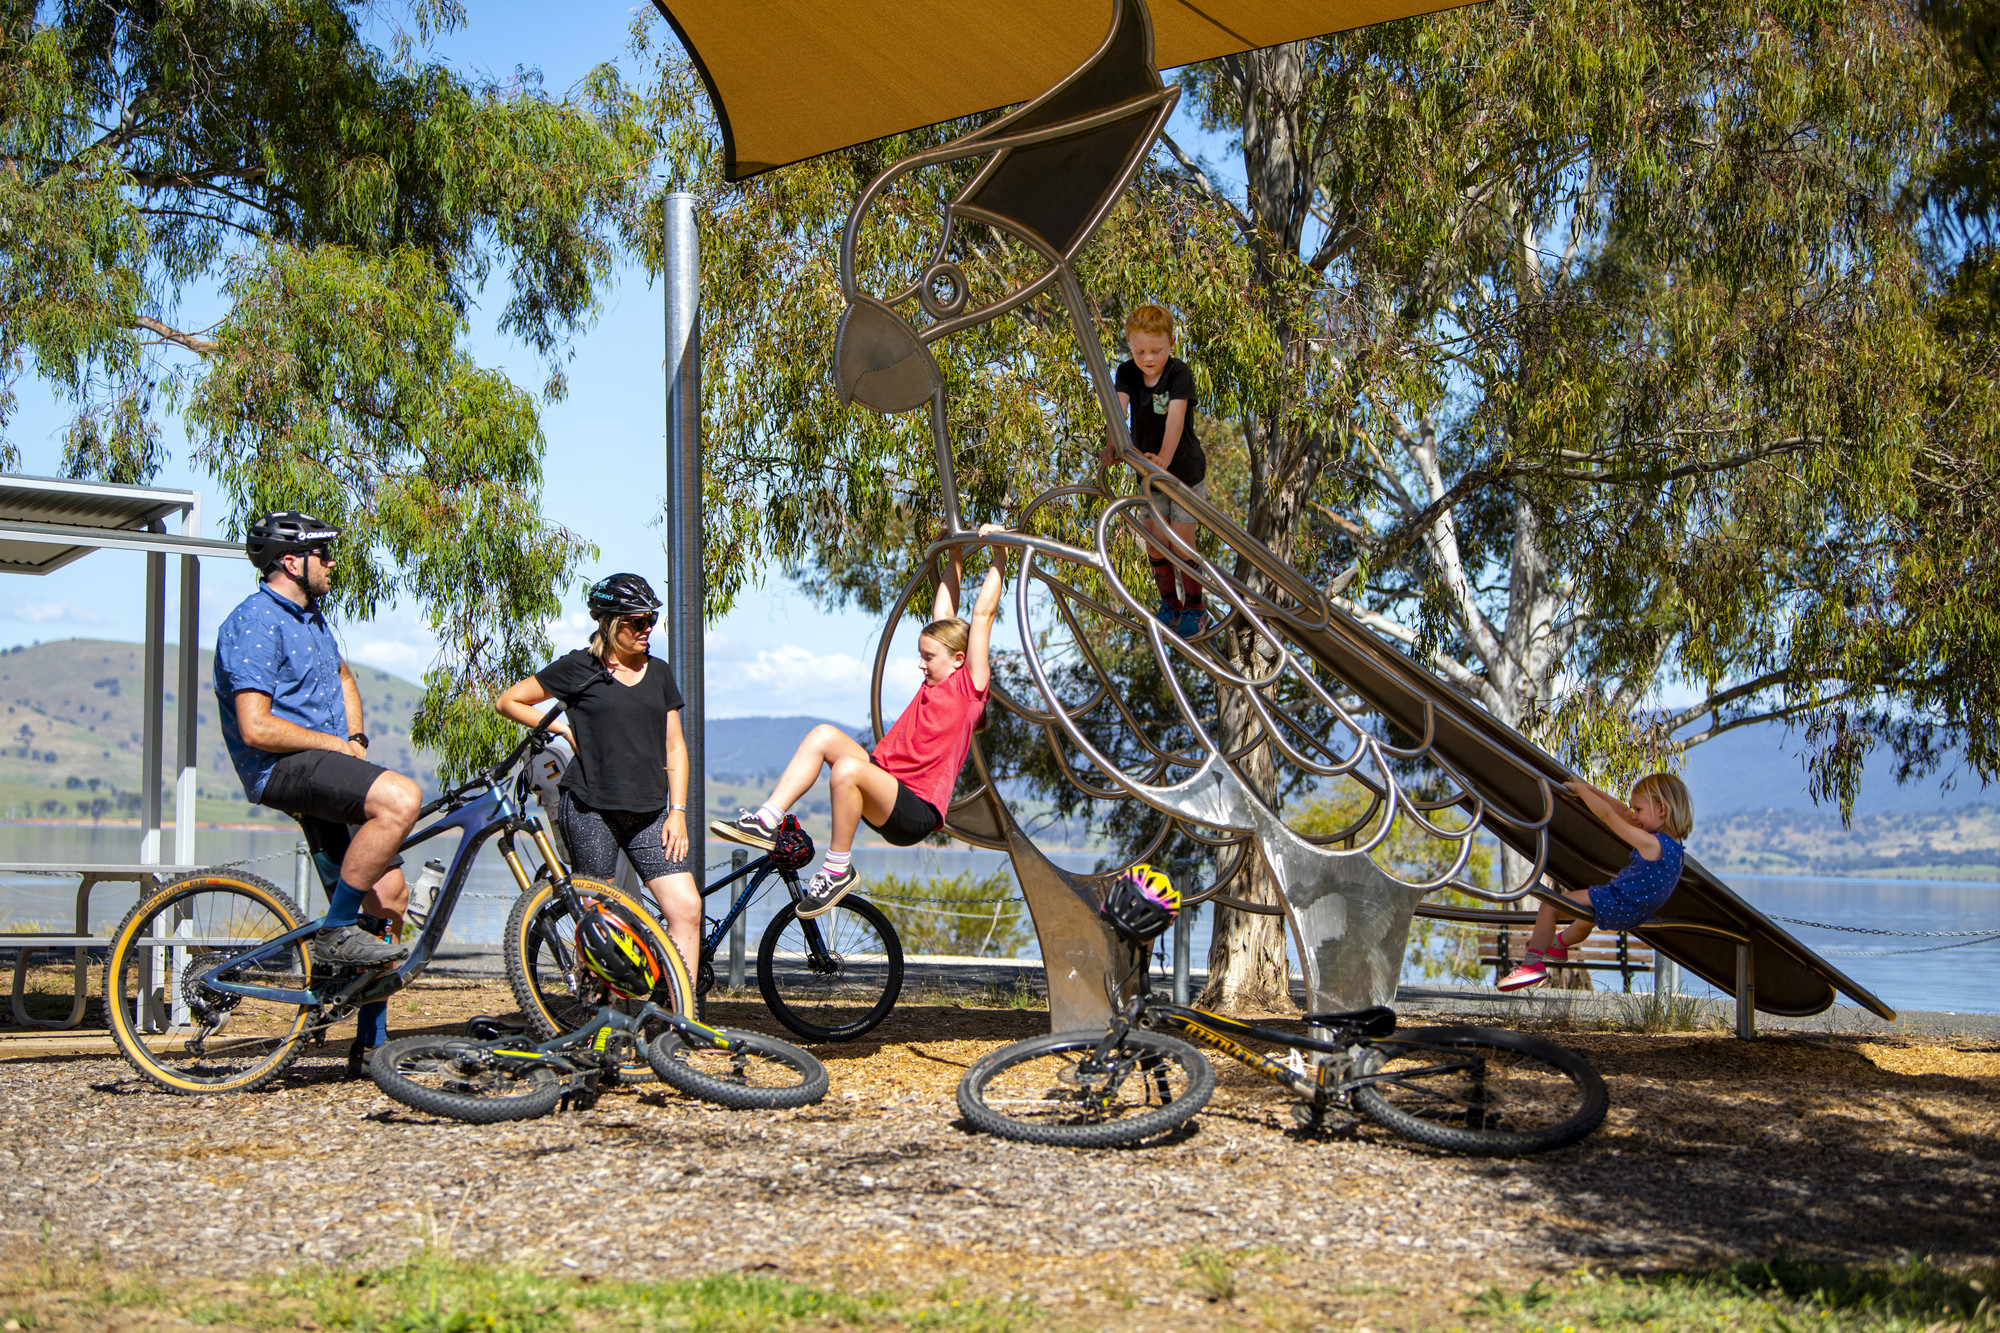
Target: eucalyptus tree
x,y
254,217
1587,350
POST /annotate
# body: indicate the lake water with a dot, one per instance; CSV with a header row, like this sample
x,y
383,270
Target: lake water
x,y
1962,979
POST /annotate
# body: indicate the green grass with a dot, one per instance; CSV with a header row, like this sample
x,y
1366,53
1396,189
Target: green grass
x,y
433,1293
1779,1296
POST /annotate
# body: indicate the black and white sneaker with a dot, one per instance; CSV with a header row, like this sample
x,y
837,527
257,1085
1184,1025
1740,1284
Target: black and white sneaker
x,y
747,829
351,946
826,889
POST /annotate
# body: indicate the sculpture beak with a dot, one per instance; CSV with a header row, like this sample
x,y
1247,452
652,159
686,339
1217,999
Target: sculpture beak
x,y
880,362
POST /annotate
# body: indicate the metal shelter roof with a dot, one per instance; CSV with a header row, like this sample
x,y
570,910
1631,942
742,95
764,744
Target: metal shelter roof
x,y
46,522
791,80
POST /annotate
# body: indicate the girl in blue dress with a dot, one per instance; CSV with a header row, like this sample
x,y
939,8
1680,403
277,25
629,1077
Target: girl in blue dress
x,y
1656,822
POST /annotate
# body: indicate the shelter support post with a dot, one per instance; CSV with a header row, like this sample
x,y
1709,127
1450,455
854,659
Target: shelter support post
x,y
738,929
685,586
152,738
187,712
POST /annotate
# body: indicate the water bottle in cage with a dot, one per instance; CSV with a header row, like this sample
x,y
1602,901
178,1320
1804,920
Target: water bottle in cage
x,y
422,892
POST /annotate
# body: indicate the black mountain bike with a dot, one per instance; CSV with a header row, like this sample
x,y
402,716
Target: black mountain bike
x,y
1464,1089
210,985
492,1074
831,977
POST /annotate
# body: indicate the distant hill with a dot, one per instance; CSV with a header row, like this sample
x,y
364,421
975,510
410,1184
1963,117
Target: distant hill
x,y
72,719
1759,768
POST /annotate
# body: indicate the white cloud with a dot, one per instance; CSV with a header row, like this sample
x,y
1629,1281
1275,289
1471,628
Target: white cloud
x,y
47,613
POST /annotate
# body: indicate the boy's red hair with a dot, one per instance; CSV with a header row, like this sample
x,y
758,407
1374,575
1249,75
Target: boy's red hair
x,y
1153,319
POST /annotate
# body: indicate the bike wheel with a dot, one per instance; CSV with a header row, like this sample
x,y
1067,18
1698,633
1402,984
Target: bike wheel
x,y
831,977
555,993
761,1074
450,1076
1051,1090
1483,1091
182,1036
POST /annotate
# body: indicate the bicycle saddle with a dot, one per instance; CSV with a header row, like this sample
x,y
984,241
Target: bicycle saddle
x,y
485,1027
1377,1020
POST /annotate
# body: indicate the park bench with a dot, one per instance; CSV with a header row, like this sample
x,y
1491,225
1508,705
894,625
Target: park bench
x,y
1503,947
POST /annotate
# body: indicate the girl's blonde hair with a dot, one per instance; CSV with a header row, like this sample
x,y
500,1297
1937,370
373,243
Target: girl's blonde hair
x,y
954,636
1672,793
1154,319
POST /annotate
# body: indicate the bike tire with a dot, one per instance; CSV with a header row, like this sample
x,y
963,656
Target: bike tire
x,y
400,1067
544,977
765,1074
1523,1094
269,1036
1024,1091
865,952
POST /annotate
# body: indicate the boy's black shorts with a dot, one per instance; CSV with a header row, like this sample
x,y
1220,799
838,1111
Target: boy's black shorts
x,y
912,820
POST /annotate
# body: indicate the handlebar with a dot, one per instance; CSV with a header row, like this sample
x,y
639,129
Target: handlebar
x,y
536,741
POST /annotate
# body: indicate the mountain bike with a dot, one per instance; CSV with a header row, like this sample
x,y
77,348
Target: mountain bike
x,y
218,964
1480,1091
827,978
493,1075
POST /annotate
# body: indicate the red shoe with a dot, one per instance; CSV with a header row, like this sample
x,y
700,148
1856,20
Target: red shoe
x,y
1531,973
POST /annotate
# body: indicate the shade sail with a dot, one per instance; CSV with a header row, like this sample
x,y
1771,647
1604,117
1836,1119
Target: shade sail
x,y
792,79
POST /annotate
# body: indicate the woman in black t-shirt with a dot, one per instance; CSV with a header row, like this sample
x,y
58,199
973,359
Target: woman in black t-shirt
x,y
626,790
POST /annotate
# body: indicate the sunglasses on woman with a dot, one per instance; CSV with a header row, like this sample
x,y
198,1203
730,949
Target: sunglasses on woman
x,y
646,621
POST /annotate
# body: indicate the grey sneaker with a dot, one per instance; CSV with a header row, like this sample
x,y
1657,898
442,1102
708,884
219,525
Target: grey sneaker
x,y
747,829
825,891
351,946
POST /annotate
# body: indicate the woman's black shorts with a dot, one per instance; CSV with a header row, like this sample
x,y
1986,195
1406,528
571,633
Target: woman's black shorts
x,y
912,820
595,837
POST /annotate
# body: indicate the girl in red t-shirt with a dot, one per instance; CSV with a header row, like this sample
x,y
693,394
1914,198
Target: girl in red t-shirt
x,y
904,788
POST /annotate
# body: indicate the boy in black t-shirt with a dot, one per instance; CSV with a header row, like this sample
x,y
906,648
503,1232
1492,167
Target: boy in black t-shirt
x,y
1157,388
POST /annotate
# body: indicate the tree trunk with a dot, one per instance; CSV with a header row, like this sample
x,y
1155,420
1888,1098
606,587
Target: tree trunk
x,y
1246,953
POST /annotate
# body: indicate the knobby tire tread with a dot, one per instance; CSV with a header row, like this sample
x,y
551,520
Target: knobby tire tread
x,y
544,1091
123,1032
676,1074
1129,1129
767,978
1593,1099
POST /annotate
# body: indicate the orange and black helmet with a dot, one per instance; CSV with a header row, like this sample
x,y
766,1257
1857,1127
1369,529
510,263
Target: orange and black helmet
x,y
613,945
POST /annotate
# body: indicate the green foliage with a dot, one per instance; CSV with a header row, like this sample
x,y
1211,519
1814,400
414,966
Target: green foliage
x,y
338,208
962,916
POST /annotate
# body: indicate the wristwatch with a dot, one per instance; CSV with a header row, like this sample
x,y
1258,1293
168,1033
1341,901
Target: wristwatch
x,y
361,736
683,809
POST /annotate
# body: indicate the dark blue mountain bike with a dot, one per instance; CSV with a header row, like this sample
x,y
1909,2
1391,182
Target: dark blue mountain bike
x,y
210,986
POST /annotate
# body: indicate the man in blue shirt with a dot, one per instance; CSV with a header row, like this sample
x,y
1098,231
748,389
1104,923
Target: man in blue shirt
x,y
291,717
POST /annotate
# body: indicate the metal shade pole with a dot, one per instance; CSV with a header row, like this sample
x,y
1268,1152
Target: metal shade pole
x,y
153,686
685,587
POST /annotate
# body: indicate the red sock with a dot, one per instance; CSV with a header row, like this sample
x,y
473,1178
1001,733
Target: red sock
x,y
1190,592
1163,576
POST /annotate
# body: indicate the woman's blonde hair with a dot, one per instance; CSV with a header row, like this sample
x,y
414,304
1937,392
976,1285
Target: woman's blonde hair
x,y
600,638
1154,319
954,636
1672,793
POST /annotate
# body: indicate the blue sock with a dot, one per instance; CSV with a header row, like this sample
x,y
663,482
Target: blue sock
x,y
373,1029
343,906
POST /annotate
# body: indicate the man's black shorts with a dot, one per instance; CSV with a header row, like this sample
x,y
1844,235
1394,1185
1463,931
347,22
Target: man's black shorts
x,y
326,784
912,820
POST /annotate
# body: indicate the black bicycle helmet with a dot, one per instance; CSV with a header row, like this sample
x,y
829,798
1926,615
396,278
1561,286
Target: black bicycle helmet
x,y
272,537
1140,904
613,946
791,846
621,595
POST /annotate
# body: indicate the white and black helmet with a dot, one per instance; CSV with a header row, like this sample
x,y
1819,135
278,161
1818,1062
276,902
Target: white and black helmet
x,y
272,537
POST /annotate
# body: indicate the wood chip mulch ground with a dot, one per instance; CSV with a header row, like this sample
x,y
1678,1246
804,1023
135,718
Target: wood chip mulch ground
x,y
1715,1150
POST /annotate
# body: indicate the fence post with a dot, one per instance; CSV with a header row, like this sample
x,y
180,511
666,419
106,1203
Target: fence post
x,y
737,930
1666,975
1183,934
302,877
